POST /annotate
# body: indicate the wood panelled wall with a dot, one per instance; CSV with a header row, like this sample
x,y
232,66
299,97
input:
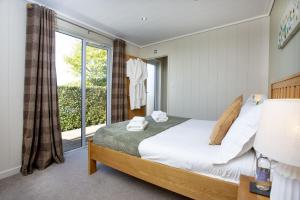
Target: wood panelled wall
x,y
208,70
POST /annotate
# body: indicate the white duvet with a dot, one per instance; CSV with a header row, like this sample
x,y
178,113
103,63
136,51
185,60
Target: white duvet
x,y
186,146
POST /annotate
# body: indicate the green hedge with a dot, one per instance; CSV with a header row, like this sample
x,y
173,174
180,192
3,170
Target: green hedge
x,y
69,100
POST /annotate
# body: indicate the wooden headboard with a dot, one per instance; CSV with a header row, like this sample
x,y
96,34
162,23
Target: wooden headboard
x,y
287,88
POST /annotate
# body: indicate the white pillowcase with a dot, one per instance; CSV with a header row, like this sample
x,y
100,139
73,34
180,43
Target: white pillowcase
x,y
240,137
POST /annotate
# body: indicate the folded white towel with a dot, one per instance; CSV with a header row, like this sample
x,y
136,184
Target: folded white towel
x,y
137,122
136,126
138,119
161,119
159,116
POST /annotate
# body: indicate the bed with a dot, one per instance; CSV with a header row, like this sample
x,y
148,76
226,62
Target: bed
x,y
194,180
173,148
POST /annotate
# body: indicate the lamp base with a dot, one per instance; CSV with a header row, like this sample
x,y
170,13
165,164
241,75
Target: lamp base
x,y
286,183
255,190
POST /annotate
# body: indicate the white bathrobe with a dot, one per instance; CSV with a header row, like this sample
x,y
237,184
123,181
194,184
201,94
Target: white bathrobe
x,y
137,73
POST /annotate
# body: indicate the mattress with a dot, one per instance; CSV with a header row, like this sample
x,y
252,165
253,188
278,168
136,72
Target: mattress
x,y
186,146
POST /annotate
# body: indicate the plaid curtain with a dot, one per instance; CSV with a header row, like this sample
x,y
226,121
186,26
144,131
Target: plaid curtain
x,y
119,97
42,142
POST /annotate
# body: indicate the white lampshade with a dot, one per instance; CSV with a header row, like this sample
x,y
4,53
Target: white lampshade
x,y
278,136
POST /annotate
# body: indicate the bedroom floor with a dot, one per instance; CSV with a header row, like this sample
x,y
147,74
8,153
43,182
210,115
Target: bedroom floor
x,y
71,181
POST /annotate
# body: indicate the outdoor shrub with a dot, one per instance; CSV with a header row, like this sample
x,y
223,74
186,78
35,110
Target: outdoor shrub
x,y
69,100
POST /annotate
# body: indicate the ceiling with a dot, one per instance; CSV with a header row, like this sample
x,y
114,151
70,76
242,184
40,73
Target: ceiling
x,y
166,19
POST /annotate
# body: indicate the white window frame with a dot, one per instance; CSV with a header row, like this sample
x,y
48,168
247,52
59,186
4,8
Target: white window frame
x,y
86,42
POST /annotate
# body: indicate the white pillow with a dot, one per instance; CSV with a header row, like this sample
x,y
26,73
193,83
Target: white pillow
x,y
240,137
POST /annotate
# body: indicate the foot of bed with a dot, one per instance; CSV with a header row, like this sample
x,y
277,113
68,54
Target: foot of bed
x,y
92,164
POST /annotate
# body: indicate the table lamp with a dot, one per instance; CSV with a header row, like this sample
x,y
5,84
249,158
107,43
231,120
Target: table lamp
x,y
278,138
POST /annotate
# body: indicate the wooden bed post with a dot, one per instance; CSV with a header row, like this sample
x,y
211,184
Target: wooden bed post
x,y
92,168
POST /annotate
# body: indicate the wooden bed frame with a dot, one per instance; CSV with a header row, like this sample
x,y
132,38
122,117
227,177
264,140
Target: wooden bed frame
x,y
286,88
181,181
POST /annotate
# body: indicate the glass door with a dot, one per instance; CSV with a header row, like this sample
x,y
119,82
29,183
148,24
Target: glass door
x,y
83,77
96,88
68,58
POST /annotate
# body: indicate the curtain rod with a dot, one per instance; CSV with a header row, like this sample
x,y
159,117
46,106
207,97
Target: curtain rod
x,y
30,5
80,26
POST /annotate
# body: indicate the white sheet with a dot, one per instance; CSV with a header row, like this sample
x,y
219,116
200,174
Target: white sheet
x,y
186,146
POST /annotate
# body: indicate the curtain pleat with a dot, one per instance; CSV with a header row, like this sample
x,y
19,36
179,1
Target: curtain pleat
x,y
119,97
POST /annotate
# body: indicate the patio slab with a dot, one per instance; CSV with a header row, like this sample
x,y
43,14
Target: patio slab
x,y
72,139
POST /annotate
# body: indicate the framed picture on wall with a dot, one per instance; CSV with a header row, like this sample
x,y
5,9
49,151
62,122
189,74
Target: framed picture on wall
x,y
290,23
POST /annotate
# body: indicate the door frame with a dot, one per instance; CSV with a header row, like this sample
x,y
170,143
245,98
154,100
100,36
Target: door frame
x,y
157,82
84,43
108,49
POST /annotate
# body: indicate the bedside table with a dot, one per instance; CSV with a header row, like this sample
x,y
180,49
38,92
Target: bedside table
x,y
243,191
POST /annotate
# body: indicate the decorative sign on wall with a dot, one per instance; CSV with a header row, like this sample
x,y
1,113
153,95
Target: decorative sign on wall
x,y
290,23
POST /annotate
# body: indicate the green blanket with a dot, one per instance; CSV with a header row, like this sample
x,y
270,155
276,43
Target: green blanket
x,y
118,138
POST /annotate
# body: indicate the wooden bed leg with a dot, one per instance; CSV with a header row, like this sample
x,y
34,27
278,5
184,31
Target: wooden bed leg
x,y
92,167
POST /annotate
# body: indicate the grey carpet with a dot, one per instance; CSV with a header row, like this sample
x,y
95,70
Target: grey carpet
x,y
71,181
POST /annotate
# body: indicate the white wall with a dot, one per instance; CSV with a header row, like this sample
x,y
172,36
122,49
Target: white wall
x,y
12,59
208,70
283,62
132,50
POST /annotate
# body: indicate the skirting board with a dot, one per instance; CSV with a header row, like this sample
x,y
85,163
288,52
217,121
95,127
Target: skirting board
x,y
9,172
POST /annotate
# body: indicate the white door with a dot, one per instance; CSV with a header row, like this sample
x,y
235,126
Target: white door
x,y
150,88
